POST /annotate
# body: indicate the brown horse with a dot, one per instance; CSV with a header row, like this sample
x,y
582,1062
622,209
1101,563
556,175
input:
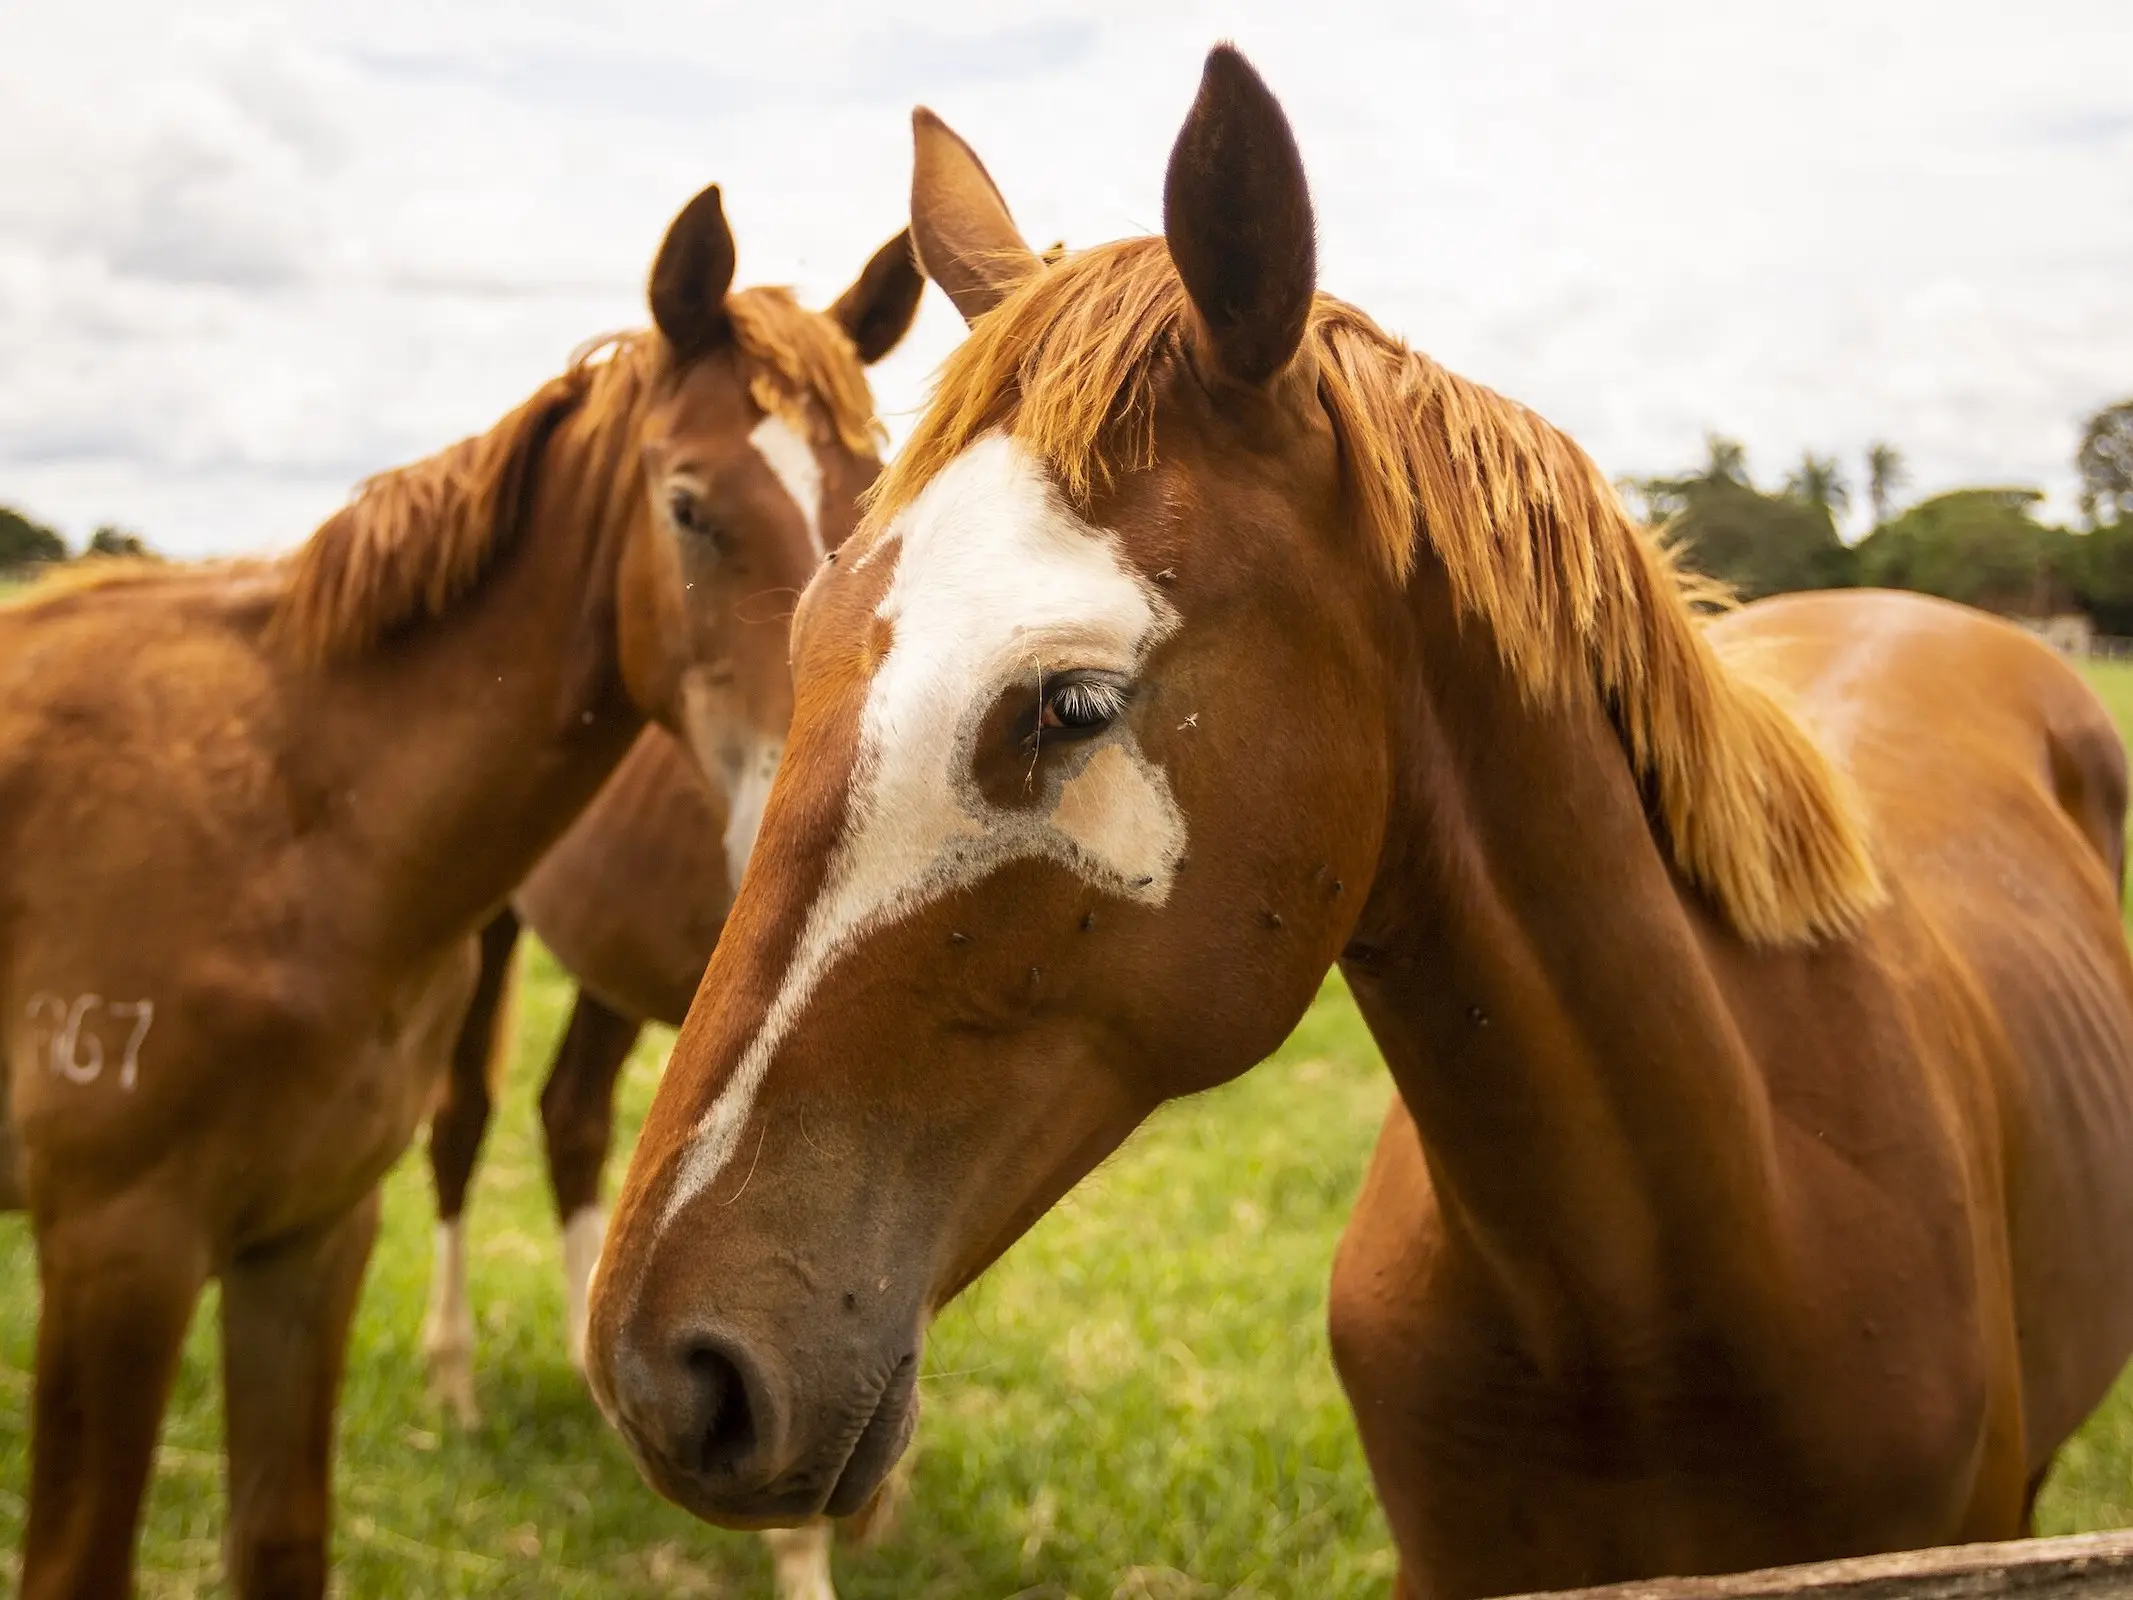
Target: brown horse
x,y
1760,1184
254,813
630,900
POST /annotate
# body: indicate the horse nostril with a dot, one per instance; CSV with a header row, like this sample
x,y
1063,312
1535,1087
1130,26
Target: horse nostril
x,y
726,1419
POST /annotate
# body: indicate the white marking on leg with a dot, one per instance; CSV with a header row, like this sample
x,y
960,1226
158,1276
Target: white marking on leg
x,y
448,1329
583,1235
793,460
801,1557
996,581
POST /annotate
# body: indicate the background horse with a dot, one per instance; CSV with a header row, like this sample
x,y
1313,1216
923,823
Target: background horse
x,y
1760,1183
630,901
243,871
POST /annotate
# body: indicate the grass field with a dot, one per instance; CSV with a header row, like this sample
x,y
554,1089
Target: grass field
x,y
1137,1402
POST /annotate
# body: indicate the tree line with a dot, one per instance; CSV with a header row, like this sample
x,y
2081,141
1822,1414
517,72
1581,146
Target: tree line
x,y
1986,546
26,543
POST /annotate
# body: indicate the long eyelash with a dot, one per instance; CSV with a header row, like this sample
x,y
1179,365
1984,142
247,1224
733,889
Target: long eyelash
x,y
1090,701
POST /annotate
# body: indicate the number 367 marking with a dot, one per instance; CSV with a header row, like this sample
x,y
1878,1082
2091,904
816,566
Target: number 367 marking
x,y
78,1056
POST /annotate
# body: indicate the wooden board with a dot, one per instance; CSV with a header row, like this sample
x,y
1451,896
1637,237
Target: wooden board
x,y
2086,1566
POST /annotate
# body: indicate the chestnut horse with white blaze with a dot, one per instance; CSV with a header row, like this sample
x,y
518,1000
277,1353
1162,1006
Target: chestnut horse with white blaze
x,y
1760,1182
254,813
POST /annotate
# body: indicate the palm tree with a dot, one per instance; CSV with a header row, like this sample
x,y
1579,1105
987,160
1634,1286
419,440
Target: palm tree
x,y
1885,474
1725,460
1818,482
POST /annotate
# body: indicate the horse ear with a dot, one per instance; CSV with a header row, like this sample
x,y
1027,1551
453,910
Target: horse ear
x,y
966,240
1237,217
877,310
691,275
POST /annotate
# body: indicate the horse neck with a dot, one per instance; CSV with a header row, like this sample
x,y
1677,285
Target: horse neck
x,y
1548,998
477,736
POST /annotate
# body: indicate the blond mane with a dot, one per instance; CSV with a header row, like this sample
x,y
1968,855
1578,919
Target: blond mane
x,y
414,540
1537,547
803,367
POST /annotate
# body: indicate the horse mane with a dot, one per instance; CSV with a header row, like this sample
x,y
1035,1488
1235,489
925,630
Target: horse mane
x,y
804,367
414,540
1578,596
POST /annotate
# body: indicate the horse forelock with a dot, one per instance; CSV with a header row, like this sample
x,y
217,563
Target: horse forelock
x,y
804,368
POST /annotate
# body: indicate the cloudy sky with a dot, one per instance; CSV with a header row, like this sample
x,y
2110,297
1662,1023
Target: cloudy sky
x,y
249,253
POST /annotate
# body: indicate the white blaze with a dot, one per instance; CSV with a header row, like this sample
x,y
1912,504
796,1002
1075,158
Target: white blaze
x,y
747,788
745,758
792,459
995,581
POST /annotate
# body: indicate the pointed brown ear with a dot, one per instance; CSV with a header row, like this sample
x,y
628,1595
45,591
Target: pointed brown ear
x,y
966,241
691,276
877,310
1237,216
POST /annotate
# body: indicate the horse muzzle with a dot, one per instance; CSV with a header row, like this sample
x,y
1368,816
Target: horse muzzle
x,y
723,1430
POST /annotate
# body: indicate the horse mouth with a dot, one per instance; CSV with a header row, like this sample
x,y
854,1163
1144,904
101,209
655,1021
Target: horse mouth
x,y
888,1430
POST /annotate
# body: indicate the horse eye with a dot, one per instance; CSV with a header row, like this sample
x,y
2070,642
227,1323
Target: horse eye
x,y
687,513
1078,707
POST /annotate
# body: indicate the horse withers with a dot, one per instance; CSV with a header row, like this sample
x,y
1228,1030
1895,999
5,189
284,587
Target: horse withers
x,y
255,811
1759,1185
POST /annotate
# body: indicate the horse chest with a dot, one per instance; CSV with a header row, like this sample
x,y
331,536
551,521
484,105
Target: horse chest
x,y
1504,1471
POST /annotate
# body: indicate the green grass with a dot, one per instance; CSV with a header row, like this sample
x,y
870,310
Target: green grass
x,y
1139,1392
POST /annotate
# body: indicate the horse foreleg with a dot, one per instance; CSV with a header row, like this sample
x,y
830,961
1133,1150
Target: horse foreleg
x,y
286,1312
801,1559
456,1131
118,1285
577,1117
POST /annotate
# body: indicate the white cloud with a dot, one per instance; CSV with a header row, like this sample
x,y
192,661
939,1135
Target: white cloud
x,y
248,254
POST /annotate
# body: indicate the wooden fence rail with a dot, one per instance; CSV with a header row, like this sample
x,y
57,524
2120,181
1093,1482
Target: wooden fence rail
x,y
2085,1566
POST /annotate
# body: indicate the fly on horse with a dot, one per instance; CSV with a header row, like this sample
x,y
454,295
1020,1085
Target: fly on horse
x,y
1759,1185
243,871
